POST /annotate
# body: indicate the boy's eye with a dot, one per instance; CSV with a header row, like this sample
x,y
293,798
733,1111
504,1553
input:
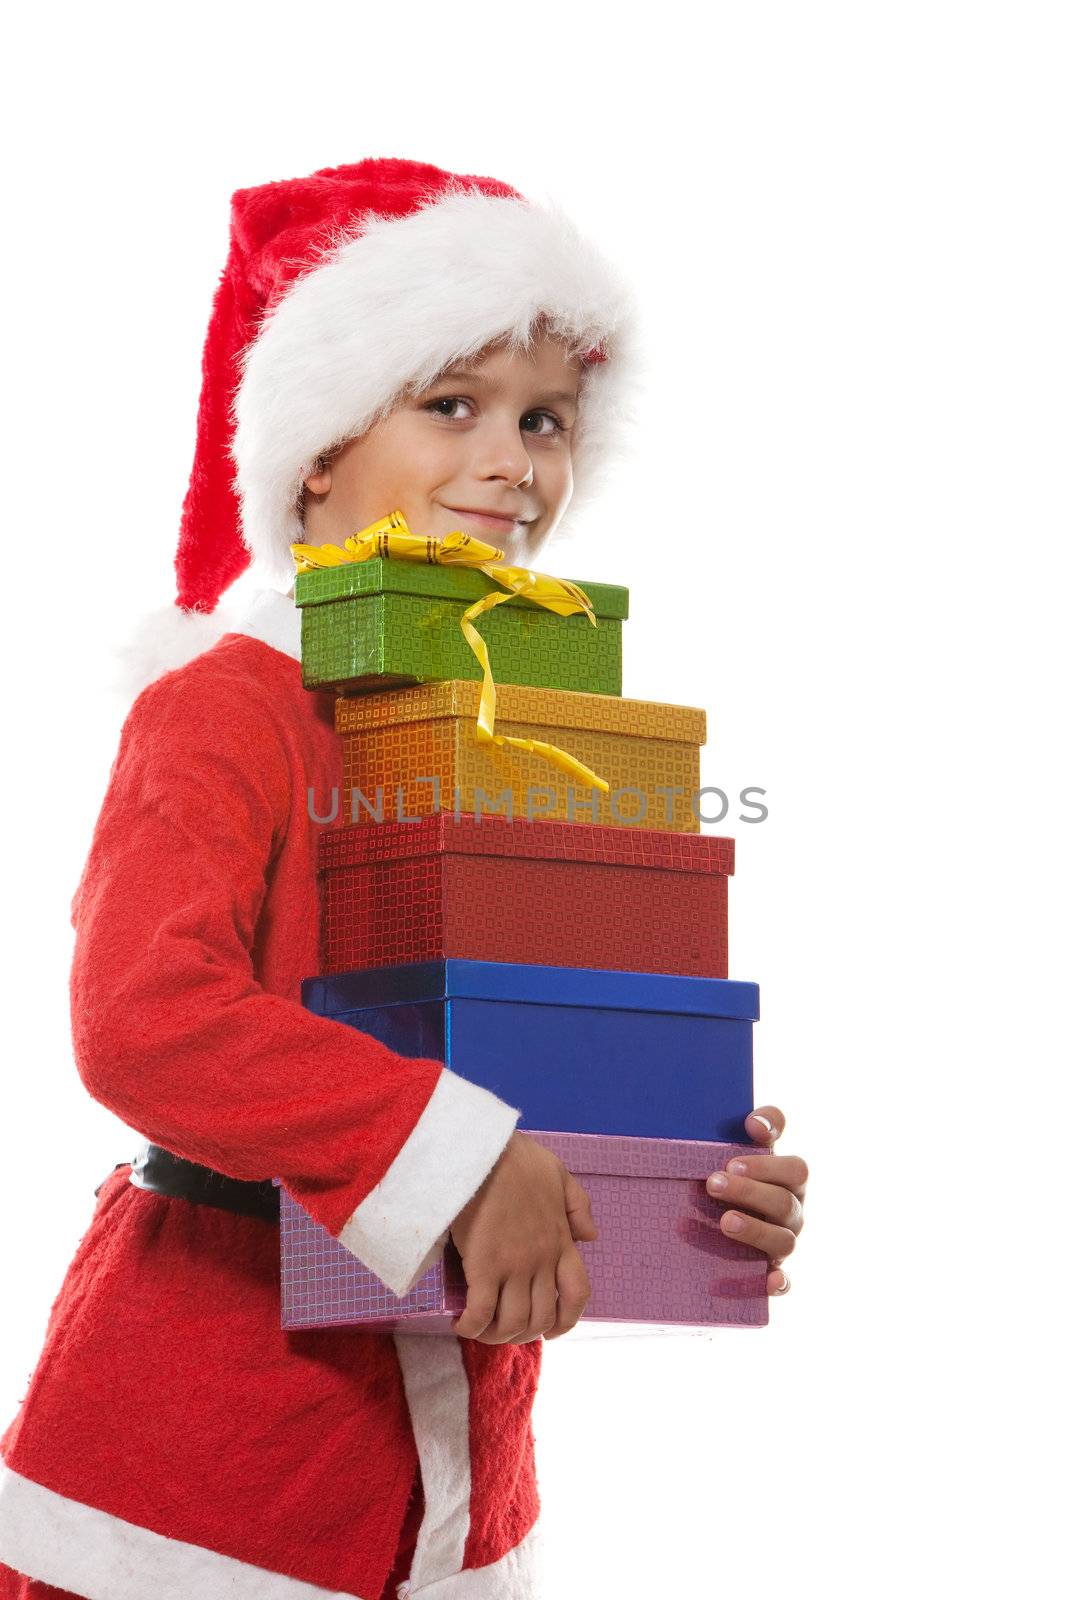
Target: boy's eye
x,y
557,426
451,400
447,400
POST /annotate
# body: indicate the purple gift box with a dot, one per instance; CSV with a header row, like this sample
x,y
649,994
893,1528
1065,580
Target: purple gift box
x,y
660,1258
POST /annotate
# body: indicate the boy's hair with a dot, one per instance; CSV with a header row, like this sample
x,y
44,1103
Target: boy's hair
x,y
513,341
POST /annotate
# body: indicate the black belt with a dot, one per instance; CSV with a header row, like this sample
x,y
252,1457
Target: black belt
x,y
163,1173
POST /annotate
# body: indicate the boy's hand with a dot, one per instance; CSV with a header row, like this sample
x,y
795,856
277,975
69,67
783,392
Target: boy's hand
x,y
516,1240
770,1186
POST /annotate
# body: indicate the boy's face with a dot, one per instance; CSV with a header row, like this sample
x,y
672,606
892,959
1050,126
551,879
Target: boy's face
x,y
491,435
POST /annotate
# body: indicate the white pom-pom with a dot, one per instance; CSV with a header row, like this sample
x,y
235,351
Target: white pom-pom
x,y
161,641
169,637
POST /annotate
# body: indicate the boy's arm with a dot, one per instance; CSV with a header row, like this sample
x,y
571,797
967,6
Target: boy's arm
x,y
173,1032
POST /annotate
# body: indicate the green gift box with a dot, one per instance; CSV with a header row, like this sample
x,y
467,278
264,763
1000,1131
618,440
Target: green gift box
x,y
369,624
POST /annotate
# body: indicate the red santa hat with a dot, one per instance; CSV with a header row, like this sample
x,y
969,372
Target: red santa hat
x,y
340,290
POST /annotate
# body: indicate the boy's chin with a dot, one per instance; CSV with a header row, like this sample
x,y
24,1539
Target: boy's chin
x,y
524,548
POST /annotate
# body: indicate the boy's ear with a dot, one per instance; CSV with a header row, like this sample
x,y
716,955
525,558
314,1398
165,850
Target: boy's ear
x,y
319,481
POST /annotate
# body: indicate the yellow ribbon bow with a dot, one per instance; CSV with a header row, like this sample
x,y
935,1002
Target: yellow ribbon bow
x,y
392,537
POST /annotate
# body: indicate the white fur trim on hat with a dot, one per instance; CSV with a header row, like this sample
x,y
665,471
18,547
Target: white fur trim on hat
x,y
395,305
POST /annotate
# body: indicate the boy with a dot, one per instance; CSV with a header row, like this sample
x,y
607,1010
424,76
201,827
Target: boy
x,y
174,1440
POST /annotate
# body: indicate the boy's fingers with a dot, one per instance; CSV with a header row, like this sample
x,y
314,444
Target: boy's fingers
x,y
480,1309
773,1241
765,1124
572,1280
512,1313
789,1172
772,1200
579,1209
543,1300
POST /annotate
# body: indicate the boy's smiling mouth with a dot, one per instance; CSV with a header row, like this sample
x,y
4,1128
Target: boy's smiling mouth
x,y
490,519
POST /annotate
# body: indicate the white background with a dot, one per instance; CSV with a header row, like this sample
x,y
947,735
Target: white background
x,y
843,534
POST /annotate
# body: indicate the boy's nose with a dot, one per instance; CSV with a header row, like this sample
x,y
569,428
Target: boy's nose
x,y
516,473
505,456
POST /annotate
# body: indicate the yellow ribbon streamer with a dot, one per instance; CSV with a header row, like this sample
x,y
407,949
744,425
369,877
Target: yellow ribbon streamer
x,y
392,537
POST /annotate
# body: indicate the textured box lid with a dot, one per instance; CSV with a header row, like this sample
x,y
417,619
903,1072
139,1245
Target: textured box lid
x,y
629,1156
453,978
447,582
515,702
445,832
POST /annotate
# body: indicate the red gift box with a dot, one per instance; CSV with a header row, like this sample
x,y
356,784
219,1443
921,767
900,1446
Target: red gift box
x,y
486,888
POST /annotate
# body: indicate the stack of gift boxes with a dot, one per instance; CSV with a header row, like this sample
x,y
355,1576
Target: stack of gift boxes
x,y
562,947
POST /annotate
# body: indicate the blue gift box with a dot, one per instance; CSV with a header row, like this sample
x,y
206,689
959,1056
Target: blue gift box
x,y
577,1049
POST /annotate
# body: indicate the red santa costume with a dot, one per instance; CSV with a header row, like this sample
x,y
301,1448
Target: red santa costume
x,y
174,1442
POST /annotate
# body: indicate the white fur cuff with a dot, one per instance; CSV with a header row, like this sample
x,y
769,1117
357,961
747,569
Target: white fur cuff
x,y
399,1230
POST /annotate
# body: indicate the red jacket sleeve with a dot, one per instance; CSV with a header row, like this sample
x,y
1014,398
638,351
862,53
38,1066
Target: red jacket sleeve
x,y
173,1032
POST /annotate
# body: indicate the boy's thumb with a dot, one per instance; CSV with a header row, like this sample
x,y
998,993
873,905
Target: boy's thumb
x,y
579,1209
